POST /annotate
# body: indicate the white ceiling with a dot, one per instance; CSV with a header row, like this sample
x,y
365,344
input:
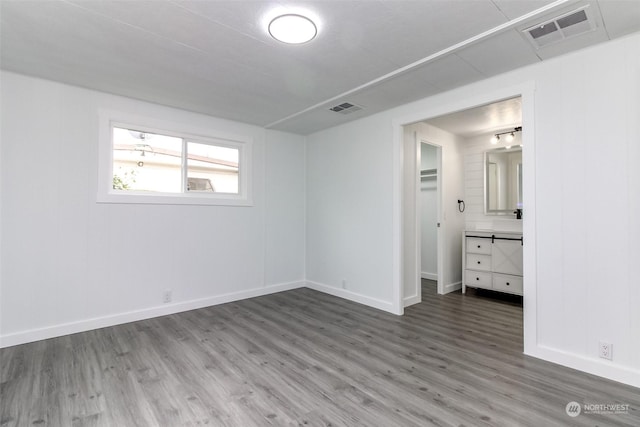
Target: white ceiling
x,y
496,117
216,57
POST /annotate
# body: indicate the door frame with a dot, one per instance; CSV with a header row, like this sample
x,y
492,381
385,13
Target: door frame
x,y
450,102
441,225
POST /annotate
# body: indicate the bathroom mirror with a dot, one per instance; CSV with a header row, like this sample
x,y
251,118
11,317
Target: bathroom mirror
x,y
502,181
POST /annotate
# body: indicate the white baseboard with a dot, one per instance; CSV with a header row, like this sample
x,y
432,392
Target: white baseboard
x,y
351,296
412,300
430,276
452,287
31,335
600,367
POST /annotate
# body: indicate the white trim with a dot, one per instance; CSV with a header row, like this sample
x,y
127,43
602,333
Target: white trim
x,y
452,287
106,194
600,367
442,227
429,276
412,300
305,208
530,263
417,219
351,296
31,335
396,243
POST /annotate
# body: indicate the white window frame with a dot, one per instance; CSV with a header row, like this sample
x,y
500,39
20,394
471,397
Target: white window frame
x,y
107,194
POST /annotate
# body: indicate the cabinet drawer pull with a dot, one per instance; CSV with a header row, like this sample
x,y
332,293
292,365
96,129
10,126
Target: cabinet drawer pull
x,y
507,283
478,262
477,278
478,246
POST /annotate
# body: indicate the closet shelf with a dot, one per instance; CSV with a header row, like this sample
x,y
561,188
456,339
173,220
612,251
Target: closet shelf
x,y
428,173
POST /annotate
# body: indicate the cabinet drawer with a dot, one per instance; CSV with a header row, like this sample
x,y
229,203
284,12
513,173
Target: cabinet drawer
x,y
479,262
477,279
507,283
478,246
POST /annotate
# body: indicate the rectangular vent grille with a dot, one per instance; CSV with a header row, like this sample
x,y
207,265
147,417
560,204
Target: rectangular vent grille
x,y
562,27
543,30
346,108
573,19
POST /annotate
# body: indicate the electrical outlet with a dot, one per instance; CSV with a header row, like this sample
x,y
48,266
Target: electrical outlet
x,y
166,296
606,350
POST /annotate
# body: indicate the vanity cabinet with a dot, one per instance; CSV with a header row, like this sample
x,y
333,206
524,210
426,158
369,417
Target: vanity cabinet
x,y
492,260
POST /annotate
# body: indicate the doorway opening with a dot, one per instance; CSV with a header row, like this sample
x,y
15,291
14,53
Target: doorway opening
x,y
444,187
406,251
467,135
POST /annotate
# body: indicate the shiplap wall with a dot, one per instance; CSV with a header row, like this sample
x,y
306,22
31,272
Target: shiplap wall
x,y
473,157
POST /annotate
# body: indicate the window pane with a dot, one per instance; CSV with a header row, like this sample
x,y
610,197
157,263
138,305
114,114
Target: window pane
x,y
211,168
146,161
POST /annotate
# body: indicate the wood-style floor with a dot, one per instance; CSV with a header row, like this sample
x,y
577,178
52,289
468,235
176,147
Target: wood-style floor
x,y
304,358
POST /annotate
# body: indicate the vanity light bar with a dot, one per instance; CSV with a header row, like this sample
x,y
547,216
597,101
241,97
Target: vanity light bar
x,y
510,135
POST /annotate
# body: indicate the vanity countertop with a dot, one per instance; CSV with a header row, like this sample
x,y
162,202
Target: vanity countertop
x,y
488,232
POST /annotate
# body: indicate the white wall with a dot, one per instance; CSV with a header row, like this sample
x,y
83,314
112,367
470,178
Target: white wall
x,y
70,264
349,215
475,218
587,203
284,208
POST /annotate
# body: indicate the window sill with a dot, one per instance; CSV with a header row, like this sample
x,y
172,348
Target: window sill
x,y
175,199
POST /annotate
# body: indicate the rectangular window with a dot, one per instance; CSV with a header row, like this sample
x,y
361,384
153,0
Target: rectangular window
x,y
148,165
212,168
146,162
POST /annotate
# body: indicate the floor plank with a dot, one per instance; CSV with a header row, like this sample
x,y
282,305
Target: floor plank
x,y
303,358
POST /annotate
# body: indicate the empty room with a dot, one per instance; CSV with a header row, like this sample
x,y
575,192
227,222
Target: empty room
x,y
323,213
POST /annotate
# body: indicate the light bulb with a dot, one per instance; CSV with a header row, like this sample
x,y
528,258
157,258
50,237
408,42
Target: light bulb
x,y
292,29
495,139
510,137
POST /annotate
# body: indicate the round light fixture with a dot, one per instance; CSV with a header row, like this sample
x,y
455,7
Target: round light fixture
x,y
292,29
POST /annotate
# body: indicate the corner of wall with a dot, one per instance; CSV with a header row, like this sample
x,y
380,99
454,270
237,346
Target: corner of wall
x,y
600,368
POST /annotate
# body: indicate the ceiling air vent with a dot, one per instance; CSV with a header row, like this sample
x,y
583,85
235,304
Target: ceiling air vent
x,y
570,24
346,108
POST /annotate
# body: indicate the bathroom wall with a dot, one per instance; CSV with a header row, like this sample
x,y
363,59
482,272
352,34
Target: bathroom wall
x,y
475,218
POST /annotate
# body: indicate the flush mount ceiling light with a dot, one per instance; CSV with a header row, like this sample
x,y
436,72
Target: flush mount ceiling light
x,y
510,135
292,29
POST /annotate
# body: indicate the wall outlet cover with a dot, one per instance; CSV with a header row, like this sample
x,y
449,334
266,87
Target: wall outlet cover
x,y
166,296
605,350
